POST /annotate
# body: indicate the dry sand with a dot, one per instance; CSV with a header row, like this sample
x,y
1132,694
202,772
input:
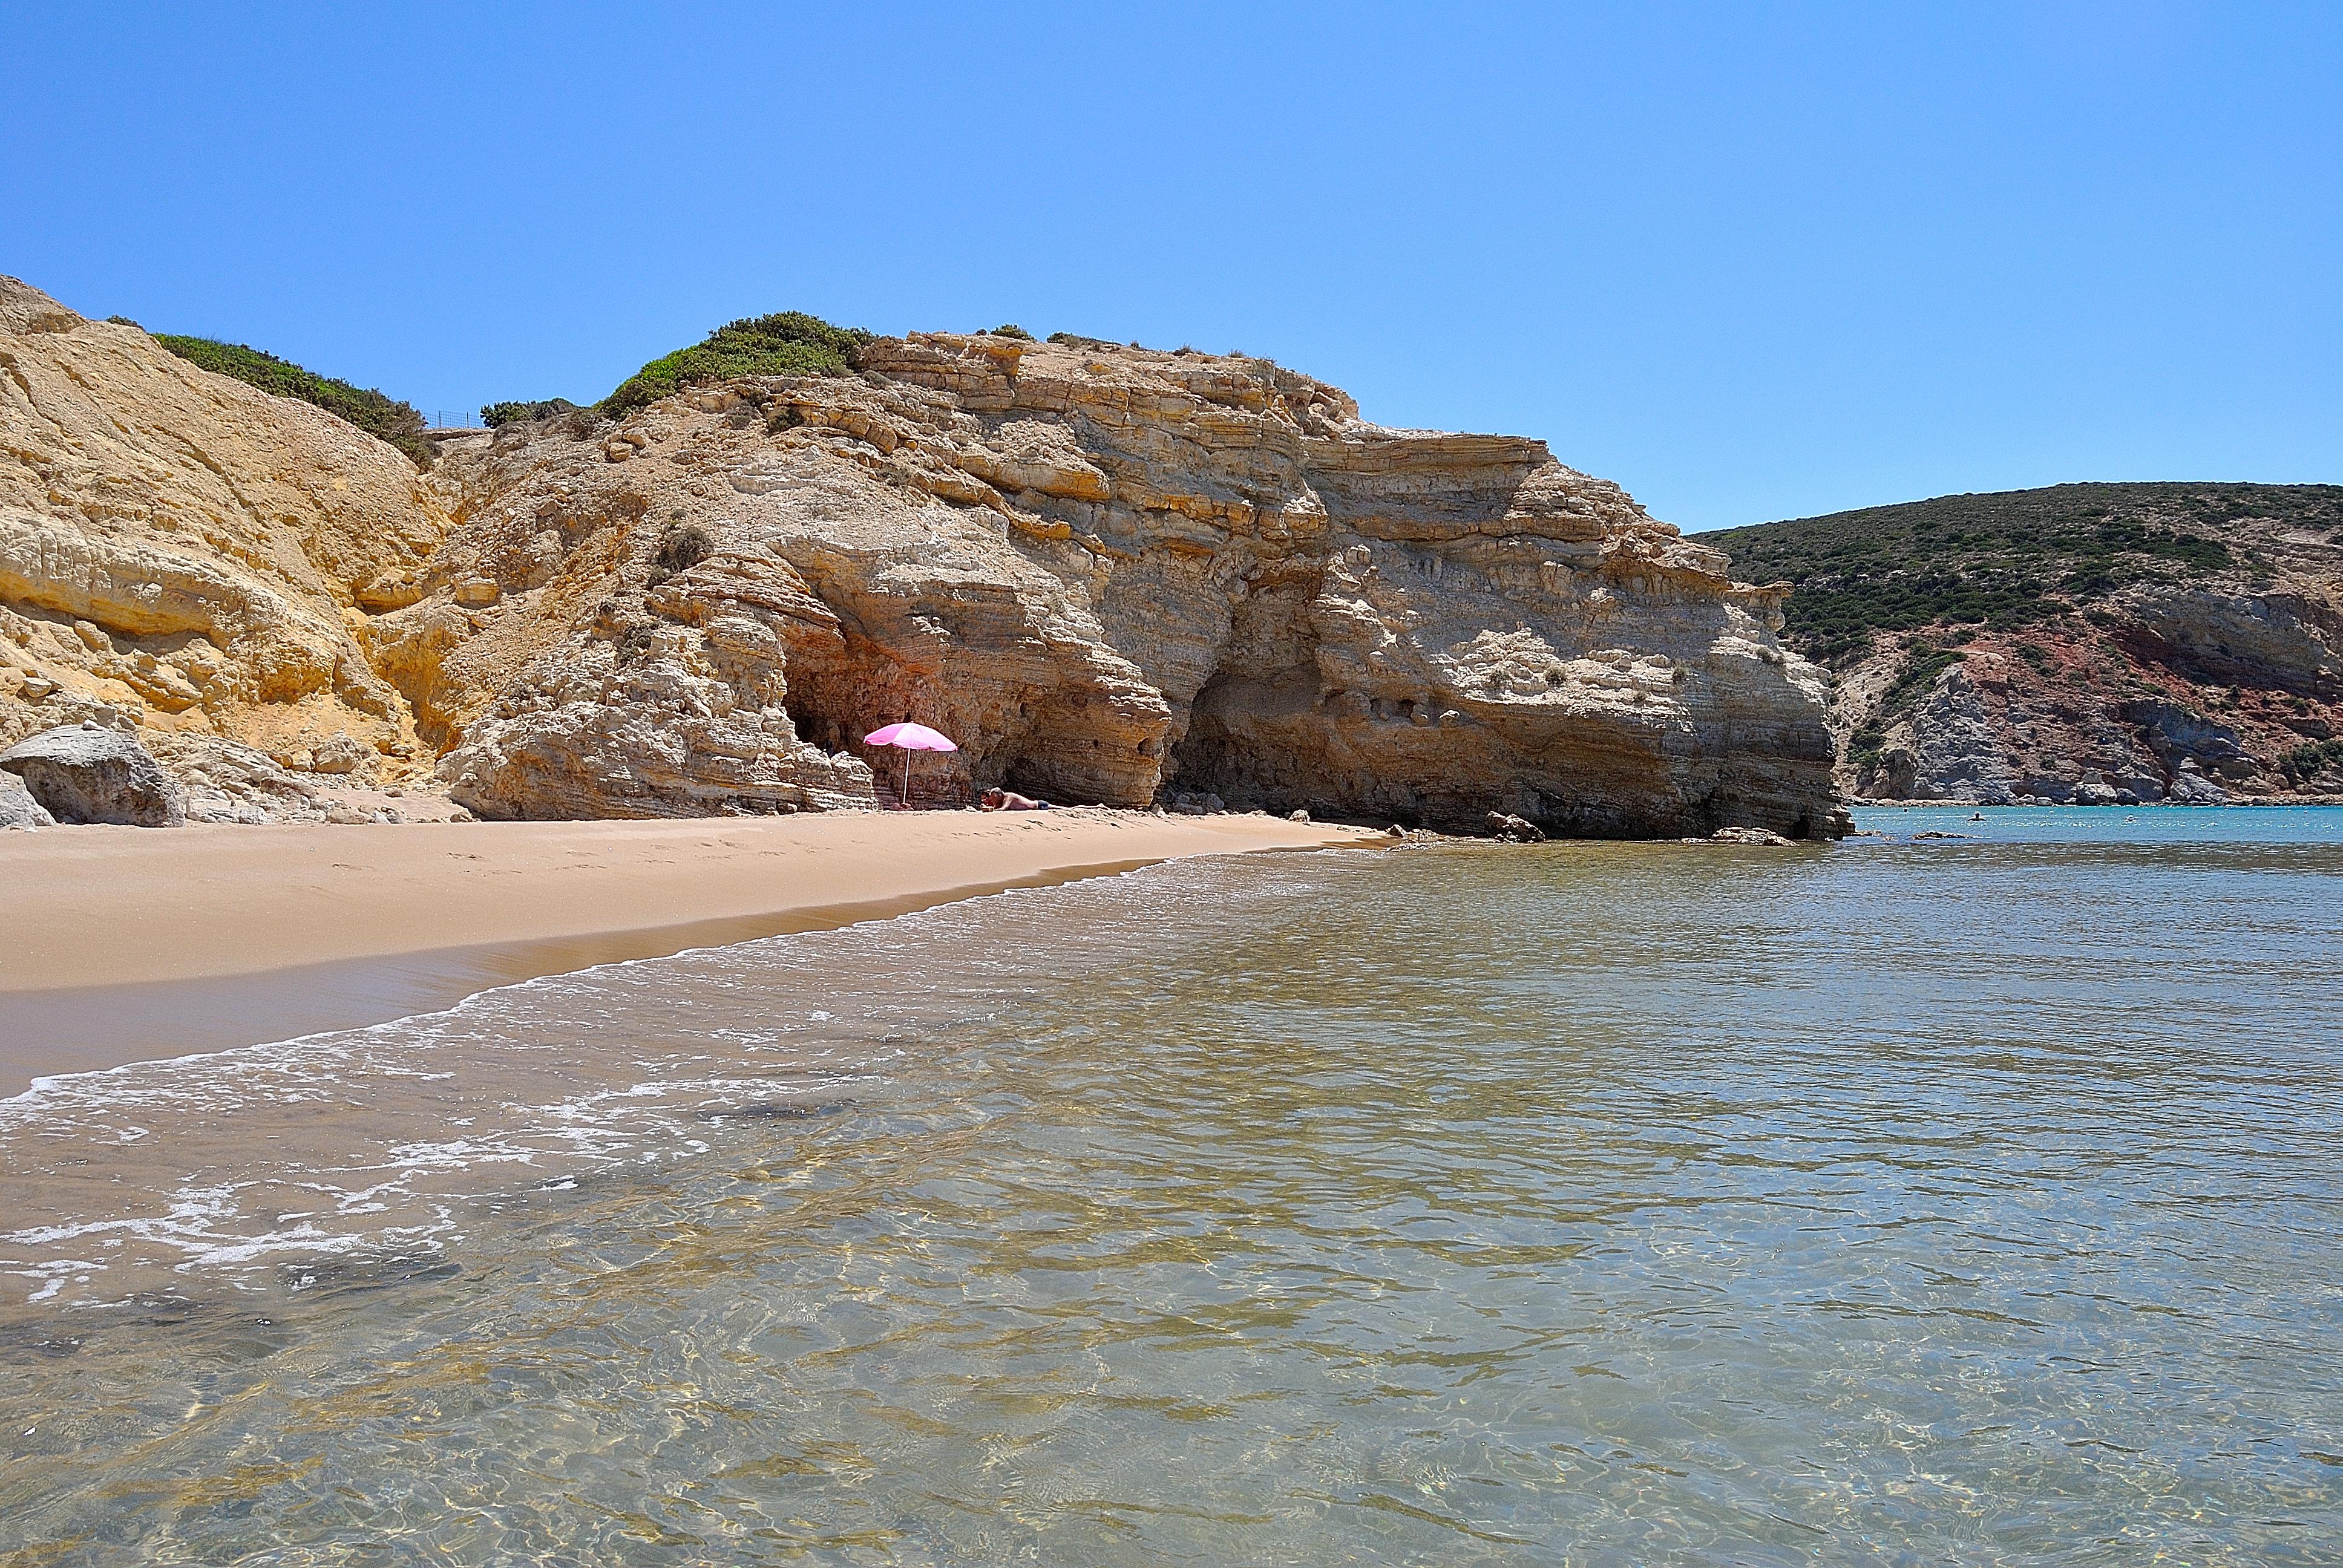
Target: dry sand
x,y
127,943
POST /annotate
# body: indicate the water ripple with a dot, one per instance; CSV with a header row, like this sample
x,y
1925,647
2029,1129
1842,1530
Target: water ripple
x,y
1599,1204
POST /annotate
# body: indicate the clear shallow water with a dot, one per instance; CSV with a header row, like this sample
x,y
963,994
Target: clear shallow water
x,y
1908,1203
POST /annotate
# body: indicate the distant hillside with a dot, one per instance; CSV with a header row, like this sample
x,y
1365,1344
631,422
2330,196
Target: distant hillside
x,y
2096,642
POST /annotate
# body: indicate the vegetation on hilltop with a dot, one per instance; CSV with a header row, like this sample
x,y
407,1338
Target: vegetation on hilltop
x,y
2000,560
497,416
397,423
790,343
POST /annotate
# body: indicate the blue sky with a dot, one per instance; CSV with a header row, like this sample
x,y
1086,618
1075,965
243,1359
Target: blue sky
x,y
1750,261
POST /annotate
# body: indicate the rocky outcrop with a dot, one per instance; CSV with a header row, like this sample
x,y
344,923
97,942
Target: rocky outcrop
x,y
1757,836
226,781
1112,575
2097,710
87,774
2089,644
182,553
17,807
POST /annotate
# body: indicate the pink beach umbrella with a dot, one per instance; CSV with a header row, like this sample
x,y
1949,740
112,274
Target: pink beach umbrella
x,y
911,737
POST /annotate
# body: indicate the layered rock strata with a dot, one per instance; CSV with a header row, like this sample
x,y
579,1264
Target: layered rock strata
x,y
1113,575
181,554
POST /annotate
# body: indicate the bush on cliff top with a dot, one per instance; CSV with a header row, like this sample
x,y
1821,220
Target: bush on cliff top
x,y
386,419
497,416
789,344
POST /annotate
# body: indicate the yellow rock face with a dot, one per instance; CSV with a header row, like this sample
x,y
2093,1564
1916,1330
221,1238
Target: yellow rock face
x,y
184,550
1110,574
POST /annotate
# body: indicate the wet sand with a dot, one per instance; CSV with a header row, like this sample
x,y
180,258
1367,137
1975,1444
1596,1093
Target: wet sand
x,y
132,943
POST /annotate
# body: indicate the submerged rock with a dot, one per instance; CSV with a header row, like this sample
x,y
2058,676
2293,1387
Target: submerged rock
x,y
85,774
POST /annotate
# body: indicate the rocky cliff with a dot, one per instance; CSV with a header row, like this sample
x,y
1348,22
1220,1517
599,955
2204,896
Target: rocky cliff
x,y
181,553
2087,643
1113,575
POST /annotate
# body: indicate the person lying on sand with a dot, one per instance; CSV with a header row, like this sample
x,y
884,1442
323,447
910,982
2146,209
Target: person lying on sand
x,y
1009,800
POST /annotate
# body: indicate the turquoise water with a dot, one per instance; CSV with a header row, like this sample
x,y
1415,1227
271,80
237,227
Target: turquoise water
x,y
1961,1201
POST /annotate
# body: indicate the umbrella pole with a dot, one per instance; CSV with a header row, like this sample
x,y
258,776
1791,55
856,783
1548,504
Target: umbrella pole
x,y
906,781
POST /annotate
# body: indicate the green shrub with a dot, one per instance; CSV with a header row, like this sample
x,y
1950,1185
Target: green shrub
x,y
497,416
1012,331
1928,663
789,344
386,419
2307,761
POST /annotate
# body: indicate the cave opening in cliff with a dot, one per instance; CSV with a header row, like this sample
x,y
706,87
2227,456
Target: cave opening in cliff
x,y
819,724
1244,742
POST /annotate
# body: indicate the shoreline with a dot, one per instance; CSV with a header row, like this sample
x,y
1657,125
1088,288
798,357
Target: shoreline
x,y
143,944
1858,802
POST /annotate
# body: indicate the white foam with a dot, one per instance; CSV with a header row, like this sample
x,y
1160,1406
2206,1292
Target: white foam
x,y
377,1135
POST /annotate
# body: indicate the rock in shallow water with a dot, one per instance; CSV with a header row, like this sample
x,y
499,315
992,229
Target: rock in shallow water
x,y
1748,836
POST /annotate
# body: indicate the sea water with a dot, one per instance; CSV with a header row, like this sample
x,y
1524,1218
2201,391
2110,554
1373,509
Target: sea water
x,y
1909,1200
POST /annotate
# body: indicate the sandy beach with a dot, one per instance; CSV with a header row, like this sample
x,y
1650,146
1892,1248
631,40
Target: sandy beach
x,y
134,943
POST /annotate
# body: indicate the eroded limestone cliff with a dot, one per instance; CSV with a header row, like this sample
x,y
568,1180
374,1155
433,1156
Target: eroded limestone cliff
x,y
1113,575
181,553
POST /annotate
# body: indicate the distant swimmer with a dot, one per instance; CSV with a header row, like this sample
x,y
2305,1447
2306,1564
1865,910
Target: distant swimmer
x,y
1977,816
1009,800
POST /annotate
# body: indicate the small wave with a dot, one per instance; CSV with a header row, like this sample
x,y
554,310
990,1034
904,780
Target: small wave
x,y
386,1136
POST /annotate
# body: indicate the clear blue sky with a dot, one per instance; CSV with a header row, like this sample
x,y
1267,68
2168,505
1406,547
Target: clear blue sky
x,y
1750,261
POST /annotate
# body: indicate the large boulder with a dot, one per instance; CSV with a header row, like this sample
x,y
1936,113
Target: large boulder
x,y
85,774
17,807
2191,788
